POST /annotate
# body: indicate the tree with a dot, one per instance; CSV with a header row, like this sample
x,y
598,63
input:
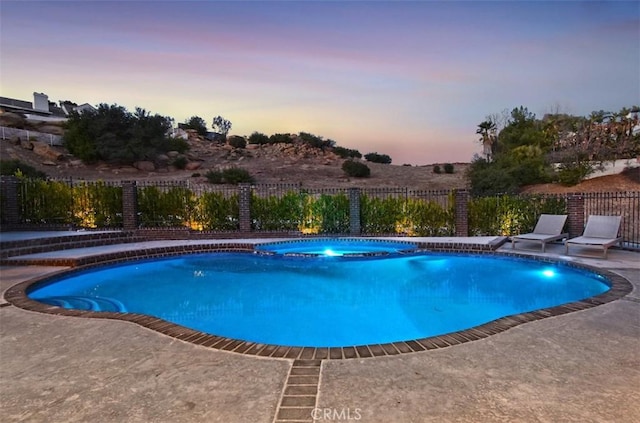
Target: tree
x,y
487,132
222,127
113,134
198,124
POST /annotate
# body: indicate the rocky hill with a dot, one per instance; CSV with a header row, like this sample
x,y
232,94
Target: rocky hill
x,y
296,163
269,164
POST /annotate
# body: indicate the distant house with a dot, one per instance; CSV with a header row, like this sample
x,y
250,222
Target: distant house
x,y
42,109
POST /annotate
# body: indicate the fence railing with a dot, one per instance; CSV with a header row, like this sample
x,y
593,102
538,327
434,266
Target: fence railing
x,y
291,208
625,204
25,135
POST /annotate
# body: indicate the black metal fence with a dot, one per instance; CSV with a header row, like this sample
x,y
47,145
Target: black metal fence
x,y
625,204
294,208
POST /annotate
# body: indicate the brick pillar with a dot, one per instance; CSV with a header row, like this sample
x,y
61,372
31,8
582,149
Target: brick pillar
x,y
10,200
244,191
129,206
354,211
462,212
575,212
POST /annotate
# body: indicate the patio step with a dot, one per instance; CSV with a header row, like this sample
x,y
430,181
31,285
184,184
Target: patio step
x,y
64,242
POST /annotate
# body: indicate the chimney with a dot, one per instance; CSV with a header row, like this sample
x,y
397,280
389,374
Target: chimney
x,y
41,102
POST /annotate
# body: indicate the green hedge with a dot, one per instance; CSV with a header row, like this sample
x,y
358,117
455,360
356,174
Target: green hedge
x,y
88,205
510,214
98,205
413,217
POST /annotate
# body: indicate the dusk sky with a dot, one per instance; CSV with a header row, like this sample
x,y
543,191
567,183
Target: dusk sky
x,y
408,79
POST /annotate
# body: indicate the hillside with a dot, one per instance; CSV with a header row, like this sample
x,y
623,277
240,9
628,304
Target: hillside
x,y
278,164
268,164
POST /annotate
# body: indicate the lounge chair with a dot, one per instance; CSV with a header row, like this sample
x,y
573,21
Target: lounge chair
x,y
600,231
548,229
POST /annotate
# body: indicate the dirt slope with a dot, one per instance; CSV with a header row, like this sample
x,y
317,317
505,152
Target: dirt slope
x,y
273,166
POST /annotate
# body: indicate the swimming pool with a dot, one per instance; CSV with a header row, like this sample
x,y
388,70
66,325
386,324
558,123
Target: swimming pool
x,y
324,301
336,247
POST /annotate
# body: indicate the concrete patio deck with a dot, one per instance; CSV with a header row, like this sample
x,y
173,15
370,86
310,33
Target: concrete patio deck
x,y
578,367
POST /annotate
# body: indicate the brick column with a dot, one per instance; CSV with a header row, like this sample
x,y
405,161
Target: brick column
x,y
462,212
354,211
244,191
575,212
129,206
10,200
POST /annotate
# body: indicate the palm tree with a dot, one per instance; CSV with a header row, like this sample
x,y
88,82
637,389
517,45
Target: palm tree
x,y
487,132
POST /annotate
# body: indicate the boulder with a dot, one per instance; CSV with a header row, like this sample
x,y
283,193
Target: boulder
x,y
162,160
145,166
173,154
44,150
193,165
25,143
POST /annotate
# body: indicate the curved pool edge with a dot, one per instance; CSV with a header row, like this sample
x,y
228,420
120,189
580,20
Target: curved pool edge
x,y
17,296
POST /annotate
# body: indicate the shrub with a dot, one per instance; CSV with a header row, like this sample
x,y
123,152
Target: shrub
x,y
347,153
356,169
198,124
177,144
436,169
214,177
16,167
180,162
448,168
573,173
315,141
236,141
378,158
232,175
113,134
280,139
258,138
236,175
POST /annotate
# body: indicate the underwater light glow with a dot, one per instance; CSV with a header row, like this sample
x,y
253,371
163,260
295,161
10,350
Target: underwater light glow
x,y
549,273
329,252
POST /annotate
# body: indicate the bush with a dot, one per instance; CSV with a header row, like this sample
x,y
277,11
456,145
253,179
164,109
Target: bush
x,y
378,158
198,124
436,169
356,169
346,153
232,175
236,175
258,138
315,141
280,139
177,144
16,167
236,141
448,168
214,177
571,174
180,162
113,134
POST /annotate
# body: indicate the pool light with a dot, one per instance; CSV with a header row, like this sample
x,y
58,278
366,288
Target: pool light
x,y
329,252
548,273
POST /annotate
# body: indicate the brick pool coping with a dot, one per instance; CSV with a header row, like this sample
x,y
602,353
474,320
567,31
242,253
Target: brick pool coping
x,y
16,295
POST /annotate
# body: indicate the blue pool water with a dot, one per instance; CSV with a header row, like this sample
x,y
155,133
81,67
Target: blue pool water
x,y
335,247
325,301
